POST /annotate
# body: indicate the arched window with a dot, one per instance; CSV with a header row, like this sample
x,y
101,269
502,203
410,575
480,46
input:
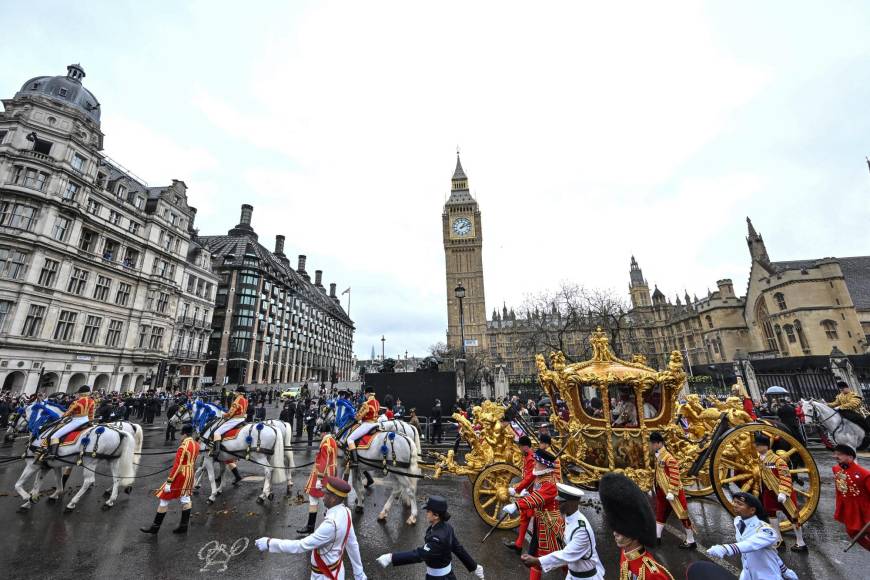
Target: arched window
x,y
780,300
830,329
779,340
763,319
789,333
709,320
799,329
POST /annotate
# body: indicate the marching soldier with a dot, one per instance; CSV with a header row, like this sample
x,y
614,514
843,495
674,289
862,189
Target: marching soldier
x,y
325,465
756,542
179,483
528,479
440,545
852,483
328,542
579,554
236,415
548,524
628,513
668,491
368,417
777,490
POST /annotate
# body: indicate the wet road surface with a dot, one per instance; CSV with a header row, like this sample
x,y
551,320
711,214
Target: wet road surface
x,y
92,543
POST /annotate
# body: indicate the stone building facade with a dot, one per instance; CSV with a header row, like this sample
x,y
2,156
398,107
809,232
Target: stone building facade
x,y
91,257
272,323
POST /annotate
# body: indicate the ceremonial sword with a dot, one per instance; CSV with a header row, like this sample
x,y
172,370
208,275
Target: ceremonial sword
x,y
854,540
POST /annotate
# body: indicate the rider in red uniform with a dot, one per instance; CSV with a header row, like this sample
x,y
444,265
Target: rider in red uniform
x,y
852,483
528,479
368,416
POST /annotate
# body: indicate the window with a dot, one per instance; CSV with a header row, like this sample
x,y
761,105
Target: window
x,y
113,335
709,320
88,241
31,178
77,281
191,282
101,289
789,333
143,335
763,318
131,258
2,136
162,302
5,309
48,275
17,215
110,249
200,287
123,294
72,189
122,191
156,338
94,207
830,329
92,329
78,162
780,300
12,263
114,218
65,324
139,202
60,229
802,338
41,145
33,323
133,227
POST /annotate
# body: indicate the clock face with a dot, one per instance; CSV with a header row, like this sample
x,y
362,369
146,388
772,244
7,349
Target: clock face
x,y
462,226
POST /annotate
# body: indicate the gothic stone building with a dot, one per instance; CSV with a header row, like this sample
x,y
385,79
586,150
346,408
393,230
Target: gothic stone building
x,y
91,258
271,323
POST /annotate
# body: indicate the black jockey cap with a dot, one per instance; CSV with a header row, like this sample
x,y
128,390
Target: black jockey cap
x,y
370,390
762,439
325,427
84,389
524,440
846,450
545,438
565,492
240,389
703,570
751,501
437,505
187,429
627,509
545,458
656,437
842,385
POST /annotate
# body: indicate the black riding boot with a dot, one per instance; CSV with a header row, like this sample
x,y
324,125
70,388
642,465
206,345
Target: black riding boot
x,y
369,481
236,477
155,527
309,527
185,519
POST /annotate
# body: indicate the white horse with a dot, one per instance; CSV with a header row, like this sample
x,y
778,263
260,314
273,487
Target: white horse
x,y
113,444
266,443
838,429
398,453
18,418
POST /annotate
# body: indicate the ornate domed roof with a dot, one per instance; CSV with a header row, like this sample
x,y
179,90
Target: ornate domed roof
x,y
65,89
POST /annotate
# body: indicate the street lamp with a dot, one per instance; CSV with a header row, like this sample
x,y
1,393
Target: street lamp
x,y
459,292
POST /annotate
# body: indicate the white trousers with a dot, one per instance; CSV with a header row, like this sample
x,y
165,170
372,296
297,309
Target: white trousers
x,y
227,425
73,424
363,429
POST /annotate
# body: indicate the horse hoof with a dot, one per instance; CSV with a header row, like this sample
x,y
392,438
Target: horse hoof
x,y
107,493
358,509
106,507
68,510
260,500
128,490
271,496
410,521
209,501
23,509
382,517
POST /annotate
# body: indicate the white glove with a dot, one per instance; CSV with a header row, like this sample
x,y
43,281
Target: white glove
x,y
510,508
524,493
167,488
717,551
385,560
669,497
512,491
789,574
318,484
781,498
262,544
650,492
479,571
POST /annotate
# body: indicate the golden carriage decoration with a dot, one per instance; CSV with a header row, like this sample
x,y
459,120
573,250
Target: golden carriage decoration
x,y
613,406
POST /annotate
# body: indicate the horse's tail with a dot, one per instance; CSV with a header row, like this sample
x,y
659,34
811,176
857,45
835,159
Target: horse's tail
x,y
127,465
279,474
288,446
417,440
137,440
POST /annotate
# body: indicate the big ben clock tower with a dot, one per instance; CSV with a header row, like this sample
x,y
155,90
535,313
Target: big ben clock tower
x,y
463,254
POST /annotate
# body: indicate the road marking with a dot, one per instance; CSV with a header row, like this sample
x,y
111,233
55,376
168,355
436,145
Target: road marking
x,y
216,555
675,531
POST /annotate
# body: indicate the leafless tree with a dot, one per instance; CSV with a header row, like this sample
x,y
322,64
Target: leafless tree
x,y
477,363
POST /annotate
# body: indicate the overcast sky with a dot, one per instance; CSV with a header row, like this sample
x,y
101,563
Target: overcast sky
x,y
589,132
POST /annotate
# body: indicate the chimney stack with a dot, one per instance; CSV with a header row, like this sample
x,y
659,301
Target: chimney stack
x,y
279,245
192,217
301,267
332,289
318,276
245,217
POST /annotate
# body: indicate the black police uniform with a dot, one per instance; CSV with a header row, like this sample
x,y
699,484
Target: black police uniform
x,y
437,552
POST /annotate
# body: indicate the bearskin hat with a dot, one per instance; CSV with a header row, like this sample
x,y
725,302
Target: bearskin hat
x,y
627,509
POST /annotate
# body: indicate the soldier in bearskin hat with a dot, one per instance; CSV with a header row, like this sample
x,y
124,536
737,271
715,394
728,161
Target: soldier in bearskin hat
x,y
628,513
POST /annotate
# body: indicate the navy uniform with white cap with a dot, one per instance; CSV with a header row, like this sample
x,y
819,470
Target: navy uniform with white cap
x,y
579,554
441,544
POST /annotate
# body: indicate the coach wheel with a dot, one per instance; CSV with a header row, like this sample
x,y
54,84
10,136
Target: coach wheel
x,y
734,467
490,494
700,485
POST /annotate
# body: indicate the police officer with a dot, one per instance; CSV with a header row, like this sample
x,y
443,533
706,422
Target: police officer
x,y
441,544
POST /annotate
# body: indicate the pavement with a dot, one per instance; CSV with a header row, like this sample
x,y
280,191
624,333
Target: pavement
x,y
92,543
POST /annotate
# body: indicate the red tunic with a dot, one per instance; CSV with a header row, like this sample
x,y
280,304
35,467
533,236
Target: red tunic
x,y
776,479
749,407
528,475
239,408
81,407
853,499
180,476
667,480
369,410
324,465
548,520
640,564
